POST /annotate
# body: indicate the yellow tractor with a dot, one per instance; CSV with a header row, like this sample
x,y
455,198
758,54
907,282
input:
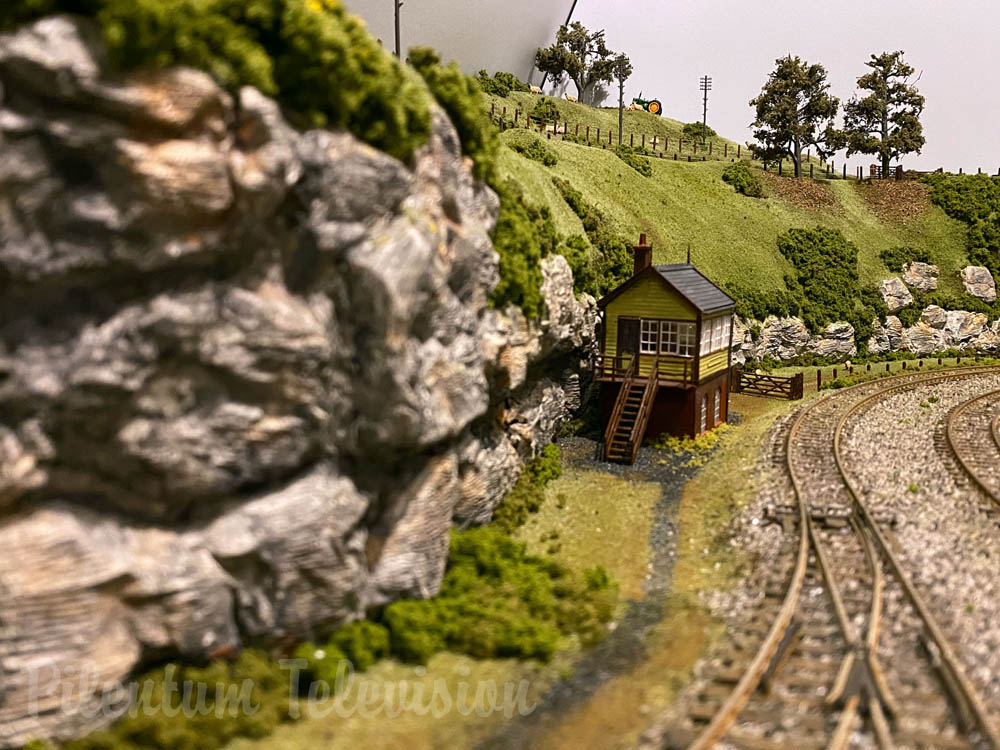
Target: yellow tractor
x,y
652,106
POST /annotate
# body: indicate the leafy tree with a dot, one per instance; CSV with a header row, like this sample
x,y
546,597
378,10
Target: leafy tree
x,y
621,70
580,54
794,110
886,122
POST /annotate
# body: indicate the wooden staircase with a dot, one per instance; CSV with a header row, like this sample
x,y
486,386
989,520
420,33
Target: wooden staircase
x,y
627,425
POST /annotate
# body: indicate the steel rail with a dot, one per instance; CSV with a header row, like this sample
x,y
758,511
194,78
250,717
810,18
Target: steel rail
x,y
952,437
959,682
750,680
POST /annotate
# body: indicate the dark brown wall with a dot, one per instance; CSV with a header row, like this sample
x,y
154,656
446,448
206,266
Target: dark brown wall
x,y
677,410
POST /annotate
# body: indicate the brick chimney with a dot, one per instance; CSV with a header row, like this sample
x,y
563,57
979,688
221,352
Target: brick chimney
x,y
643,256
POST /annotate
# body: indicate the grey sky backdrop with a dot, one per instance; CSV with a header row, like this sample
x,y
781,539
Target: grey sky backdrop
x,y
671,44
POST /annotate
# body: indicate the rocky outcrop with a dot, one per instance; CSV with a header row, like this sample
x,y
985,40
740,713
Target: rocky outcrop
x,y
921,276
782,338
895,294
886,338
836,341
979,283
248,376
744,348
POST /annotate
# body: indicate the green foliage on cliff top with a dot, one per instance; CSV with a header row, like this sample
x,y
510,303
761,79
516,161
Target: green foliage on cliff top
x,y
975,201
316,59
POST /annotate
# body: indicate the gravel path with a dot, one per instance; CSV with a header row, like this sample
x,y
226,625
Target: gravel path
x,y
948,547
625,645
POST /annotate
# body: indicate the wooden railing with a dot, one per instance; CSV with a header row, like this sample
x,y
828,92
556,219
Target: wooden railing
x,y
614,367
628,376
668,369
772,386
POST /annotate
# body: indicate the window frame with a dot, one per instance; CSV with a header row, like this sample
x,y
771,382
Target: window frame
x,y
717,412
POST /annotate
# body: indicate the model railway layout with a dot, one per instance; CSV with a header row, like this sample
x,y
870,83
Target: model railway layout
x,y
845,651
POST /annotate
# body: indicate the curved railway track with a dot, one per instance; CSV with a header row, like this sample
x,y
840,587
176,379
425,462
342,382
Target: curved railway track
x,y
818,676
972,432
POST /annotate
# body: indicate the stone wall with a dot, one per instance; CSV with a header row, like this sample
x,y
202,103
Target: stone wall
x,y
249,377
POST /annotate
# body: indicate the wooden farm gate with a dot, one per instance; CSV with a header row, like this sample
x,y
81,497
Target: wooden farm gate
x,y
772,386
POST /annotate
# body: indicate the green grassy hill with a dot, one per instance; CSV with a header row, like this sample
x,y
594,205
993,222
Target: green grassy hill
x,y
732,237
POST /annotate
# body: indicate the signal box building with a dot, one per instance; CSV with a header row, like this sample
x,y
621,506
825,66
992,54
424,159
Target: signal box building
x,y
665,355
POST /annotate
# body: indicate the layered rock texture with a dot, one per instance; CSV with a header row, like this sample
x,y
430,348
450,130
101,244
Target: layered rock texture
x,y
249,377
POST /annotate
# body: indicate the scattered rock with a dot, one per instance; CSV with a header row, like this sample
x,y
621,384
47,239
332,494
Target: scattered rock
x,y
921,276
782,338
895,294
979,283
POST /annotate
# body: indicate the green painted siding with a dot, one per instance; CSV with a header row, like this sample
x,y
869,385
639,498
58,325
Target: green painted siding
x,y
648,299
714,363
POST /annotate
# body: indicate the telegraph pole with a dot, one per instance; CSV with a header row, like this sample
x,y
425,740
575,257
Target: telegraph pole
x,y
705,86
397,5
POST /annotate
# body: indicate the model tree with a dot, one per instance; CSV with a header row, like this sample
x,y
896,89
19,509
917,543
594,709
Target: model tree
x,y
622,70
886,122
794,111
580,54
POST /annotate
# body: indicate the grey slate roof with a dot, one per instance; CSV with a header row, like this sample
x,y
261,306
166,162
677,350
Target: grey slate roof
x,y
698,290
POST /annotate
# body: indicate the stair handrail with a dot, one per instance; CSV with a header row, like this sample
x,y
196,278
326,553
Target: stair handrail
x,y
627,379
645,408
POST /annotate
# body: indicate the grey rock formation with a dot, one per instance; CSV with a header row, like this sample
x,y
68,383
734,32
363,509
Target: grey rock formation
x,y
921,276
782,338
886,338
895,294
744,347
934,316
979,283
248,376
836,340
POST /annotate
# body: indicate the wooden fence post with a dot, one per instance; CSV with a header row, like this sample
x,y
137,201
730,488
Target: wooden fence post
x,y
654,142
516,113
598,135
680,145
588,135
819,377
725,150
868,367
738,147
887,367
631,140
675,156
609,136
810,169
644,142
710,148
780,164
493,108
845,170
689,157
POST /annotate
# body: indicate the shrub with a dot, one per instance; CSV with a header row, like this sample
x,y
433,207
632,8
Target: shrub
x,y
528,493
317,60
696,131
524,234
634,159
897,257
975,200
498,601
537,151
613,254
545,111
322,662
462,99
363,643
269,693
743,179
501,84
580,257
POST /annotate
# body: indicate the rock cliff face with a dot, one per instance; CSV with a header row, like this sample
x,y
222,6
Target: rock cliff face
x,y
248,376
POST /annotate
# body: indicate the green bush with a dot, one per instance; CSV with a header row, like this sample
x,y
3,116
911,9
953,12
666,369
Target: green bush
x,y
501,84
613,261
909,315
462,99
322,662
317,60
545,111
975,200
743,179
362,642
696,131
524,234
269,694
897,257
634,159
537,151
498,601
528,493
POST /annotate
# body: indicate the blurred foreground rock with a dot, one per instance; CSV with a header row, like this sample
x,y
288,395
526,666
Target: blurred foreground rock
x,y
248,376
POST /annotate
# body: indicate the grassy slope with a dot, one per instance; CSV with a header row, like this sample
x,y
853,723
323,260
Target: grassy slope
x,y
732,237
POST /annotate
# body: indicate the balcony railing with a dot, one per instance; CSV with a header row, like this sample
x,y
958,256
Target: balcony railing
x,y
666,370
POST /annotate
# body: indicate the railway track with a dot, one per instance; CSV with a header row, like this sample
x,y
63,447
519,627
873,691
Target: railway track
x,y
972,436
844,652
